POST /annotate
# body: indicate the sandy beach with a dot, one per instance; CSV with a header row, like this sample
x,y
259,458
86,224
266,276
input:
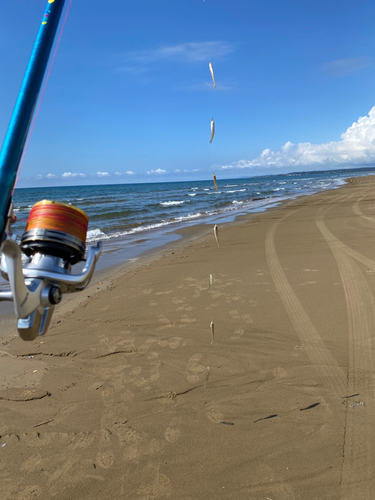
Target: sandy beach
x,y
129,395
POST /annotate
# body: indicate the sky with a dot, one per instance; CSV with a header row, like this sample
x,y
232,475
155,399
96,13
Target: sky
x,y
130,97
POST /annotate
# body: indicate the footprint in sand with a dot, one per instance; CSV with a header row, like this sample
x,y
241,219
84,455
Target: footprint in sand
x,y
166,323
279,372
194,368
297,348
238,333
247,318
30,492
172,434
215,415
177,300
105,457
175,342
164,320
185,319
153,355
159,485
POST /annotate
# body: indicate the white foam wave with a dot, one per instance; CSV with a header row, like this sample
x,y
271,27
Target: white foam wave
x,y
235,202
99,235
230,185
96,234
171,203
236,191
192,194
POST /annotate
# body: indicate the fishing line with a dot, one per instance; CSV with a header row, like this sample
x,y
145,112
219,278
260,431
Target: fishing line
x,y
41,97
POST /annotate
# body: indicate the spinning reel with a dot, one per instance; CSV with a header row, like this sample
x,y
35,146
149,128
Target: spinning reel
x,y
53,242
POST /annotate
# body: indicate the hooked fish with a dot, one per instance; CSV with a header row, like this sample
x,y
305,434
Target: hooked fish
x,y
212,129
212,73
214,177
216,233
212,326
211,283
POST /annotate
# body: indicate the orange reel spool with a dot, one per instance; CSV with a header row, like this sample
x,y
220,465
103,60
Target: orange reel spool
x,y
56,229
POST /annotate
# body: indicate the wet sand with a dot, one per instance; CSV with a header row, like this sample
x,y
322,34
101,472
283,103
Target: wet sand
x,y
128,396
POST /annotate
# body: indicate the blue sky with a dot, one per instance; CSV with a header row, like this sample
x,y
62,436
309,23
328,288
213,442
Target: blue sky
x,y
130,97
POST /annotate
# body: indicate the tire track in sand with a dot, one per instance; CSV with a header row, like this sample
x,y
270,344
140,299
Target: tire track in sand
x,y
357,455
359,212
320,356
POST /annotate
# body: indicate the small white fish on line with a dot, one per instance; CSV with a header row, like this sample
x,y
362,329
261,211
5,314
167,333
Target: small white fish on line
x,y
212,129
212,73
212,326
215,183
216,233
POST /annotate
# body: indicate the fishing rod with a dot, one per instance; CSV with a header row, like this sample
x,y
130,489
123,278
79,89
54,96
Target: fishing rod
x,y
55,235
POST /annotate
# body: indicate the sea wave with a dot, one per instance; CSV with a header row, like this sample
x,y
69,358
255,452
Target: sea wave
x,y
102,236
171,203
95,235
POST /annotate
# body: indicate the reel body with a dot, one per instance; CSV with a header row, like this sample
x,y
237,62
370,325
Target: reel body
x,y
54,241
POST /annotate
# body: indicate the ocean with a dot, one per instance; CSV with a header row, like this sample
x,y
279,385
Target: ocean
x,y
132,218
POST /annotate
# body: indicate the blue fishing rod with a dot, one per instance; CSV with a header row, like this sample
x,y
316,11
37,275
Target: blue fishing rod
x,y
55,236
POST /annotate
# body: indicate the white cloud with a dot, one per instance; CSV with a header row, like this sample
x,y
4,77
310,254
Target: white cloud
x,y
177,170
70,174
345,67
356,147
102,174
51,176
158,171
39,176
128,172
189,51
